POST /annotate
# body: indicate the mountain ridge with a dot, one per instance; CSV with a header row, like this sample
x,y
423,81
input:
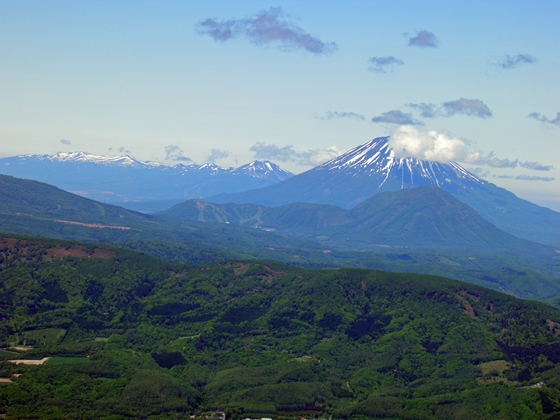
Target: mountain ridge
x,y
372,168
415,217
34,208
137,185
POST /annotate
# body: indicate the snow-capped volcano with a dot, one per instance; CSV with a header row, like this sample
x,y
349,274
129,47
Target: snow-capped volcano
x,y
377,159
358,174
372,168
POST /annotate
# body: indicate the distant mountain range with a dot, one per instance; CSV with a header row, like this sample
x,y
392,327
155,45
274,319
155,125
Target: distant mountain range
x,y
372,168
137,185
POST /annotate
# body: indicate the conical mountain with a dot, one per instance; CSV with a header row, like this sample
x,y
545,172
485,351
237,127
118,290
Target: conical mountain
x,y
372,168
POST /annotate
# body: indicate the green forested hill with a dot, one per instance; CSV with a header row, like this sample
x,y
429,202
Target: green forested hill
x,y
132,336
521,268
415,218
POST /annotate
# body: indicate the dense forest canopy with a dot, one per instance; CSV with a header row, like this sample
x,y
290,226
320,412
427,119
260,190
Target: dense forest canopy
x,y
129,335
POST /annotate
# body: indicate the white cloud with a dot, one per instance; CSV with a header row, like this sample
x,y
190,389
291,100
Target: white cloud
x,y
318,156
423,39
174,152
217,154
265,28
408,141
288,154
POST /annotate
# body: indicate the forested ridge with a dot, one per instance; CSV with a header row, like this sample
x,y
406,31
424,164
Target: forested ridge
x,y
130,336
34,208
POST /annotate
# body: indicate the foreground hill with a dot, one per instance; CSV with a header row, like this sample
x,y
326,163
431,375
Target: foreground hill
x,y
145,186
372,168
133,336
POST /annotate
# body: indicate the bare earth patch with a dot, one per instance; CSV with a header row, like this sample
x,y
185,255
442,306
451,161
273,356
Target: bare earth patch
x,y
467,308
79,251
29,362
92,225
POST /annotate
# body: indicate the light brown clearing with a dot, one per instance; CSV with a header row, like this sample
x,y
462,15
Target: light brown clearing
x,y
5,380
92,225
20,348
468,295
467,308
29,362
8,242
242,269
57,250
273,273
554,327
78,251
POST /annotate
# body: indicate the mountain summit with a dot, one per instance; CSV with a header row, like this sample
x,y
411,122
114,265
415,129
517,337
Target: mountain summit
x,y
138,185
377,160
358,174
372,168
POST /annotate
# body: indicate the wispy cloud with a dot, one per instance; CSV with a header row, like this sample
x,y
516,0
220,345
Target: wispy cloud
x,y
318,156
383,64
462,106
408,141
502,176
217,154
512,61
469,107
288,154
174,152
396,117
265,28
477,158
64,141
333,115
426,110
124,150
543,119
524,177
271,151
536,166
423,39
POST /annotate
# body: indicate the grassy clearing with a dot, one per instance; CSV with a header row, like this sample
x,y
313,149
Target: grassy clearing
x,y
66,360
493,372
46,336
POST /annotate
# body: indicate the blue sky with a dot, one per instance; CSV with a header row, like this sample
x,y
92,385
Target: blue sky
x,y
296,82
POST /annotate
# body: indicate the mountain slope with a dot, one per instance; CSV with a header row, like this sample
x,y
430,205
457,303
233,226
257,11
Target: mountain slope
x,y
423,217
372,168
427,216
146,186
33,208
20,196
130,336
